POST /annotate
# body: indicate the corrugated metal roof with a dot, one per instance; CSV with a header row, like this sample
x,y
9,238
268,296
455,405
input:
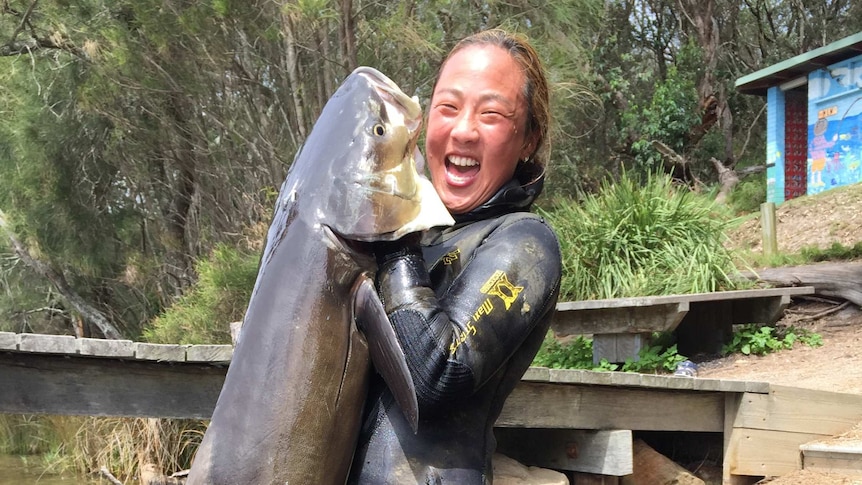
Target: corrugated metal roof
x,y
758,82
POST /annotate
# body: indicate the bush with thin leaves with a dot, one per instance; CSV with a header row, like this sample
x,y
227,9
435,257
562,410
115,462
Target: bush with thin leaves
x,y
220,296
633,239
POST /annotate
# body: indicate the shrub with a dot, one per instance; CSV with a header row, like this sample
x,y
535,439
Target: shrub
x,y
747,196
220,296
640,240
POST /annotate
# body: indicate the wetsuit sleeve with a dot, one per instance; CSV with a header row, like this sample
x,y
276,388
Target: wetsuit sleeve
x,y
455,342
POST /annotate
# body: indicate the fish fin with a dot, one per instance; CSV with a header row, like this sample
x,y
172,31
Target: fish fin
x,y
386,353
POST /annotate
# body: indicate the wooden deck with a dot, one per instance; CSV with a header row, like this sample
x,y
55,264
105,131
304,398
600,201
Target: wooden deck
x,y
702,322
763,425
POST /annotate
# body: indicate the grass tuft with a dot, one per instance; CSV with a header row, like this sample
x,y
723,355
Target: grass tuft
x,y
642,239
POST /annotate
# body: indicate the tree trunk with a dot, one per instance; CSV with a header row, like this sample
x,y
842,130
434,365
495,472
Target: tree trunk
x,y
296,86
348,35
727,179
841,280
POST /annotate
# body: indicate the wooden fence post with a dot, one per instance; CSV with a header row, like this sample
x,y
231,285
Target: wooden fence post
x,y
769,226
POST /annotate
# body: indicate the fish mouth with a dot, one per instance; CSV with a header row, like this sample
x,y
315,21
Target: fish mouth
x,y
343,243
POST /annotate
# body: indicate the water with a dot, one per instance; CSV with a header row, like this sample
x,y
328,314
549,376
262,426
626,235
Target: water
x,y
15,471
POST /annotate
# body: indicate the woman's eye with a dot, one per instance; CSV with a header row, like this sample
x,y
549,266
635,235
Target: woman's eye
x,y
379,130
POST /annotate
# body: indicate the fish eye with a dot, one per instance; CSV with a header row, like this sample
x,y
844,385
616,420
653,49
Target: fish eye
x,y
379,130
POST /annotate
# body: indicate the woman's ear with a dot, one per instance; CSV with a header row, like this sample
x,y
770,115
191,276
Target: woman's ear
x,y
529,146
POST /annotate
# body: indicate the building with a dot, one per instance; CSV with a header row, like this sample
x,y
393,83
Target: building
x,y
814,119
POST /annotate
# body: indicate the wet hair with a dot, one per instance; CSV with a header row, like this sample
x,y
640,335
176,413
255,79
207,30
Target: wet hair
x,y
536,93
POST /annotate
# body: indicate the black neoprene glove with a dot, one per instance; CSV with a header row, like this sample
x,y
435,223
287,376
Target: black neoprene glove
x,y
387,251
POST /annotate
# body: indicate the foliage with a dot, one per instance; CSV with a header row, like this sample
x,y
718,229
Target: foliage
x,y
654,358
220,296
577,353
137,136
668,117
82,445
574,354
125,444
27,434
641,240
748,195
754,339
807,255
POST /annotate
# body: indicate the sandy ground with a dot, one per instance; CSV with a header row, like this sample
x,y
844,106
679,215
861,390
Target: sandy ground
x,y
834,366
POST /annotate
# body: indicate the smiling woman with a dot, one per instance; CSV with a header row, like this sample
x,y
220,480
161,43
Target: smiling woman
x,y
471,304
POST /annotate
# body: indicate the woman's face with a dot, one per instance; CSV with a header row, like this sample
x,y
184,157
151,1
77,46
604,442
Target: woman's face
x,y
476,126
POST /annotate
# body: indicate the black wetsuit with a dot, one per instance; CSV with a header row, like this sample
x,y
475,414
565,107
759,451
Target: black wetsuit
x,y
471,310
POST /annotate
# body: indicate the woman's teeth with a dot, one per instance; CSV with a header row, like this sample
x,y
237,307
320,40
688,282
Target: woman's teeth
x,y
463,161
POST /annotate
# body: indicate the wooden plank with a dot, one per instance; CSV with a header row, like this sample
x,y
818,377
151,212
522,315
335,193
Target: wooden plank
x,y
160,352
634,379
50,344
8,341
800,410
603,452
843,457
763,453
209,353
766,430
540,405
691,297
618,319
732,402
107,348
91,386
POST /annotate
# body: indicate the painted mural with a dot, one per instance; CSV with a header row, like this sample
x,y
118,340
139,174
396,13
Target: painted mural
x,y
835,126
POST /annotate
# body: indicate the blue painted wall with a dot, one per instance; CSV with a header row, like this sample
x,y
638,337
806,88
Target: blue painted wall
x,y
835,125
775,145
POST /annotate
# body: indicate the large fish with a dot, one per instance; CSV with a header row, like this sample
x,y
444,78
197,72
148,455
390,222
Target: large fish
x,y
290,408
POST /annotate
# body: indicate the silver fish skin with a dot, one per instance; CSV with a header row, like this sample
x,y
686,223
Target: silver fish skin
x,y
290,408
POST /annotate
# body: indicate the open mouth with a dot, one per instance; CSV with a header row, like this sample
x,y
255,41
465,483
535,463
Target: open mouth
x,y
461,171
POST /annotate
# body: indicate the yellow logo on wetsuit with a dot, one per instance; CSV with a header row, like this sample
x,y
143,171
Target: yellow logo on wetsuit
x,y
451,256
498,285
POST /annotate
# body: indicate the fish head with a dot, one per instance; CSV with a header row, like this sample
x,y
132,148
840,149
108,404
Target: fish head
x,y
364,158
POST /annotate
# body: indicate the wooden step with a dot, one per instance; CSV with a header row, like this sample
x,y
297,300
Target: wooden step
x,y
841,455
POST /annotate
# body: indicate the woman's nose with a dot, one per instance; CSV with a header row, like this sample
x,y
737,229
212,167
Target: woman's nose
x,y
464,129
